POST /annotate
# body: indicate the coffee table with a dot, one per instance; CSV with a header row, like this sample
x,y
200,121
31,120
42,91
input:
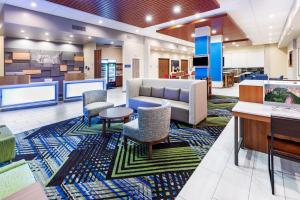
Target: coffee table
x,y
114,113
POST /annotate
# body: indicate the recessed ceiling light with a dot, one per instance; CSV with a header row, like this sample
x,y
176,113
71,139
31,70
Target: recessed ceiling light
x,y
89,37
178,25
149,18
27,38
197,15
270,27
172,21
193,35
177,9
233,43
226,39
271,16
46,33
22,31
237,45
71,36
213,31
137,30
100,21
70,42
33,4
47,40
112,42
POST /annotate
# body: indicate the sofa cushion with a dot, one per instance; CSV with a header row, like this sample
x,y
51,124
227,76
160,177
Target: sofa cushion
x,y
145,91
172,93
184,95
158,92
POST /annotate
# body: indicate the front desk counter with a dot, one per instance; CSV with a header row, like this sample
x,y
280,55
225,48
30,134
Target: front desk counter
x,y
28,95
72,90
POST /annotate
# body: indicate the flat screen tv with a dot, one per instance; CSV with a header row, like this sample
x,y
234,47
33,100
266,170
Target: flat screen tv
x,y
200,61
282,93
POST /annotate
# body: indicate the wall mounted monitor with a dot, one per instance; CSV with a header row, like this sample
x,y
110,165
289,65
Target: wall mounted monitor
x,y
200,61
282,93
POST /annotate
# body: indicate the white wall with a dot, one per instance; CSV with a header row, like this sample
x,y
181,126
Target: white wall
x,y
273,60
111,52
155,55
1,55
88,52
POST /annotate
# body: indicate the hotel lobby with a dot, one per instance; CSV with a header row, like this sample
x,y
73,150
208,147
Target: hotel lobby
x,y
166,99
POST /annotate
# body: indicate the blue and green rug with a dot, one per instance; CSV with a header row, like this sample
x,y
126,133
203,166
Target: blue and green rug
x,y
74,161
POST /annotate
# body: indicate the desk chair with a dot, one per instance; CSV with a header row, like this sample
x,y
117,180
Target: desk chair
x,y
284,142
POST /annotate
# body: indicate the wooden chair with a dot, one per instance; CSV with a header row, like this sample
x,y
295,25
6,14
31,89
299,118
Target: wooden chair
x,y
284,141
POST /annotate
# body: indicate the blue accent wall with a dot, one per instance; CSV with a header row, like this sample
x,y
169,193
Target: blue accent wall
x,y
201,72
216,59
202,45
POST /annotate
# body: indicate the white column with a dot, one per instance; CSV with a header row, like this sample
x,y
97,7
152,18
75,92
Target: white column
x,y
1,55
88,52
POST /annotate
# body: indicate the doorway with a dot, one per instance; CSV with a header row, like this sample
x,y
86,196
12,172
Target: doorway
x,y
185,66
163,68
135,68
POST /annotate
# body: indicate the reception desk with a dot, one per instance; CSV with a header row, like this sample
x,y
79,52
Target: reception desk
x,y
28,95
73,89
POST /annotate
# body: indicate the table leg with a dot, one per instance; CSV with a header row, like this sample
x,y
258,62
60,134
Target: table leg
x,y
242,131
236,141
104,127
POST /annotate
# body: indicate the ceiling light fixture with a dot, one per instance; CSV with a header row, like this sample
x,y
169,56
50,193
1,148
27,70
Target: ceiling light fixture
x,y
178,25
27,38
46,33
33,4
271,16
89,37
71,36
226,39
177,9
100,21
237,45
213,31
149,18
112,42
47,40
137,30
197,15
233,43
70,42
22,31
270,27
193,35
172,21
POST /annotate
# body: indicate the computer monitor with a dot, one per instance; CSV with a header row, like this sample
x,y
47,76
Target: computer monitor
x,y
282,94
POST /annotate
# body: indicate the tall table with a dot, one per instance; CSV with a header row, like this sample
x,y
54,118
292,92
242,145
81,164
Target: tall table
x,y
114,113
258,117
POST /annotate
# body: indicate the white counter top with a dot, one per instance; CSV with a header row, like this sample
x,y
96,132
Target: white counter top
x,y
265,110
252,83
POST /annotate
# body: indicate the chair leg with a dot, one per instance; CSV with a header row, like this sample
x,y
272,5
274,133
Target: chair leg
x,y
125,143
90,121
149,151
169,140
82,118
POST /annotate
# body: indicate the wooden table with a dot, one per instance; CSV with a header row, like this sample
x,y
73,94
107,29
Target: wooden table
x,y
114,113
252,124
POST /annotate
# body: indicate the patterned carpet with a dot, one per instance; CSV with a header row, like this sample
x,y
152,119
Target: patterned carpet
x,y
74,161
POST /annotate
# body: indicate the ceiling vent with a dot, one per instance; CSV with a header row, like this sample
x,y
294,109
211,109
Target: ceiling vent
x,y
78,28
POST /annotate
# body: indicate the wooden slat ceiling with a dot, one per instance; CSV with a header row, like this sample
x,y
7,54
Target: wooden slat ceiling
x,y
223,24
134,11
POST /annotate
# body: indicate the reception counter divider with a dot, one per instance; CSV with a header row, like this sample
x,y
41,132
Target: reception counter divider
x,y
72,90
32,95
28,95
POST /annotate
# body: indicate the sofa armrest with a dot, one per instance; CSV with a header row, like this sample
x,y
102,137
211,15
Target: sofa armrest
x,y
132,88
197,102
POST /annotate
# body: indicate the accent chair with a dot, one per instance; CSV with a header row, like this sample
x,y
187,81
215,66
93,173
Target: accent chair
x,y
7,144
151,127
93,103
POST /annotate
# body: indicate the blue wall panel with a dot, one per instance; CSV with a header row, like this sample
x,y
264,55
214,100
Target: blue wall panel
x,y
216,59
201,72
201,45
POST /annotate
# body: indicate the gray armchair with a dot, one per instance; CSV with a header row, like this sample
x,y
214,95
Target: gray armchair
x,y
93,103
151,127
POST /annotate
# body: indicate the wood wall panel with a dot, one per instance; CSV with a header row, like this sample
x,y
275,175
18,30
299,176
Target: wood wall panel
x,y
163,68
74,76
13,80
252,94
20,56
97,63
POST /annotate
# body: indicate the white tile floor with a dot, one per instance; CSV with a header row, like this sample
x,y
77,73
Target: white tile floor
x,y
216,178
